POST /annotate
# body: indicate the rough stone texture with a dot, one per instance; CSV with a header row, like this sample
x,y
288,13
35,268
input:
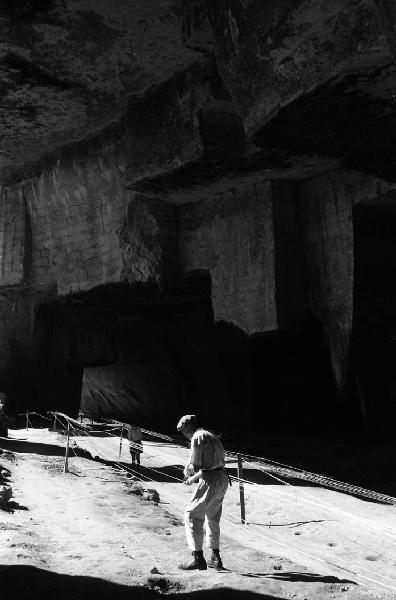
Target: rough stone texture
x,y
374,324
326,204
67,232
163,128
17,315
75,227
196,30
72,70
206,178
136,489
108,109
66,337
68,67
143,383
289,257
12,235
151,495
5,495
328,121
148,241
231,235
305,76
166,360
76,213
387,15
269,53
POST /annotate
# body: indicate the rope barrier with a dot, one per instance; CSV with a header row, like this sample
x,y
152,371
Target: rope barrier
x,y
296,473
250,530
225,516
144,548
280,543
299,510
330,508
325,506
322,505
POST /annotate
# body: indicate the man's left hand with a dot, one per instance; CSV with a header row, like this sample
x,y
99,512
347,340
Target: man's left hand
x,y
190,480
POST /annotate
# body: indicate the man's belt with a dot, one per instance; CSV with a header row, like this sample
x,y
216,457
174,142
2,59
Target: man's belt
x,y
218,469
215,469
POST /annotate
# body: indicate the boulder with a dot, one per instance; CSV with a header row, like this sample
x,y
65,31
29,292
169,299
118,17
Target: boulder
x,y
5,495
151,496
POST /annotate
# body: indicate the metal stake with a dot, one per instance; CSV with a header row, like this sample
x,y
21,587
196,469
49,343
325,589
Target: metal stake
x,y
66,467
121,435
241,490
27,420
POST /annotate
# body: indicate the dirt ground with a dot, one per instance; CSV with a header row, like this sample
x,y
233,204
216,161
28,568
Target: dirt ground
x,y
85,535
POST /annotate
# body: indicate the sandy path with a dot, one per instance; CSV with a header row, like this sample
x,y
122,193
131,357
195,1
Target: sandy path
x,y
85,524
318,528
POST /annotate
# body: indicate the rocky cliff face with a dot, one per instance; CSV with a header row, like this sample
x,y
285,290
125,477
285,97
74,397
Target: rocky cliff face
x,y
180,197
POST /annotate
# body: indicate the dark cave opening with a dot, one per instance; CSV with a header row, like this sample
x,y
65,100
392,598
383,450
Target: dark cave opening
x,y
277,382
374,331
148,356
139,354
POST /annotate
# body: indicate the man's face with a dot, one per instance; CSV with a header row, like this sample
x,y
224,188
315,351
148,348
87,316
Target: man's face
x,y
186,431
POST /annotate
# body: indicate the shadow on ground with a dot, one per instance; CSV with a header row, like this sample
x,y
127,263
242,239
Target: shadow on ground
x,y
42,449
309,577
22,582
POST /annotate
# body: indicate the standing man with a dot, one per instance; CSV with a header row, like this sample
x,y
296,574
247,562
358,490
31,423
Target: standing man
x,y
135,443
205,465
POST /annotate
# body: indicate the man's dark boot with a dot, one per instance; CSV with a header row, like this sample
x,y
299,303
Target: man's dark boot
x,y
215,560
198,562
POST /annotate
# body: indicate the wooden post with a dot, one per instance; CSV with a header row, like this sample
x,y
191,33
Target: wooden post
x,y
66,467
54,425
122,431
241,490
27,420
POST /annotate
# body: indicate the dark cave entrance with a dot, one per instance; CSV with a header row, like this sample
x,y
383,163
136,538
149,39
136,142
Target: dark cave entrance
x,y
143,354
374,327
148,356
277,382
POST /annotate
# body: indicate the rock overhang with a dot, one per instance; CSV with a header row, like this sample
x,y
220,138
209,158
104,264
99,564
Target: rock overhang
x,y
68,68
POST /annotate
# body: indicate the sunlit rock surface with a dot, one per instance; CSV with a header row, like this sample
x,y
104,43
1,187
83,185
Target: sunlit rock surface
x,y
68,68
231,236
186,192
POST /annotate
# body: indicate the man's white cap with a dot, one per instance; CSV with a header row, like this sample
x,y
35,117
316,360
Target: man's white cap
x,y
187,420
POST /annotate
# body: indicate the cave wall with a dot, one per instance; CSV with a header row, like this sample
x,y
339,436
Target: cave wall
x,y
290,289
17,318
142,384
231,236
68,69
165,365
374,322
163,128
148,241
71,229
270,53
12,235
66,337
75,214
326,203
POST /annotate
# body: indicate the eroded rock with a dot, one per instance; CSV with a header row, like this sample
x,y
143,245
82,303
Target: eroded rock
x,y
5,495
151,495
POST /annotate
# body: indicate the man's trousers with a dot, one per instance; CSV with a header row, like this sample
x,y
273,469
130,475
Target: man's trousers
x,y
206,502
